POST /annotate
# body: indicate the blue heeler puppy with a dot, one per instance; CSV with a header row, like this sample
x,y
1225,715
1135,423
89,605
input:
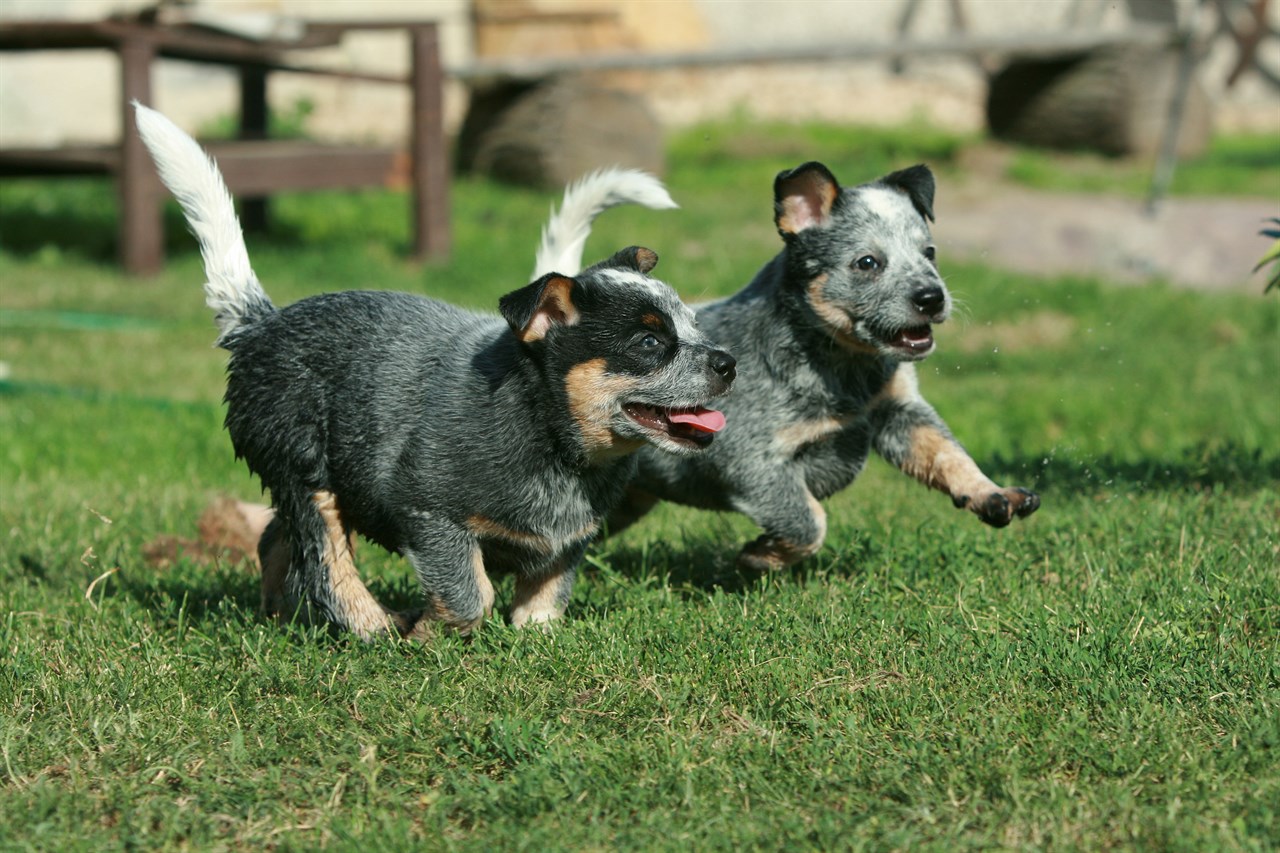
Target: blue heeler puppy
x,y
466,442
827,336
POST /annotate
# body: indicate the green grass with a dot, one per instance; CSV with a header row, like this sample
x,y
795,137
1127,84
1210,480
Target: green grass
x,y
1246,165
719,150
1102,676
1234,165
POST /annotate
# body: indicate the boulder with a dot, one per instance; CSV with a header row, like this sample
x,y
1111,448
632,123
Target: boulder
x,y
549,133
1114,100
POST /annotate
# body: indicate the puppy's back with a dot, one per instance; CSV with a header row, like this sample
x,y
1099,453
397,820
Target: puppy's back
x,y
340,371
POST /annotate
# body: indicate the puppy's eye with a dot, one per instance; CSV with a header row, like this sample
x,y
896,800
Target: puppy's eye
x,y
867,263
649,341
930,253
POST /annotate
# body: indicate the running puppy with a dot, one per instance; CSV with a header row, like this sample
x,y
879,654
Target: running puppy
x,y
467,443
826,337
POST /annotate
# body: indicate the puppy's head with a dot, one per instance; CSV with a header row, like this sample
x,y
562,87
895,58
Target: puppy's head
x,y
862,258
623,355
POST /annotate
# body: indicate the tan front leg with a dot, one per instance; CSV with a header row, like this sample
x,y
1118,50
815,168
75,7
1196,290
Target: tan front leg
x,y
543,598
460,606
940,463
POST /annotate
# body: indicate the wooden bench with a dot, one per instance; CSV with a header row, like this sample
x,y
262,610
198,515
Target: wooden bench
x,y
254,166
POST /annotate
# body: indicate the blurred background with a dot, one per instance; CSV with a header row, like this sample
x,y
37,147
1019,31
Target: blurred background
x,y
537,92
58,98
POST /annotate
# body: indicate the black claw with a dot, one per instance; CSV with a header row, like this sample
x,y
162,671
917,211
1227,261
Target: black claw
x,y
996,510
1030,502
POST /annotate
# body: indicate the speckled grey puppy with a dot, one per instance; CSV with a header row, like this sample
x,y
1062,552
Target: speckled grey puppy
x,y
826,337
466,442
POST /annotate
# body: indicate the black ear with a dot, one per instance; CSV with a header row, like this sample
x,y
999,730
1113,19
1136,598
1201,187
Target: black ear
x,y
803,197
917,183
532,310
635,258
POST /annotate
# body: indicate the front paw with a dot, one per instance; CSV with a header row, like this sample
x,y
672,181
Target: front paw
x,y
771,553
757,560
1000,508
406,623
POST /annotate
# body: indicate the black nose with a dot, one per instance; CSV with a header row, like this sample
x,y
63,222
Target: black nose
x,y
929,299
724,364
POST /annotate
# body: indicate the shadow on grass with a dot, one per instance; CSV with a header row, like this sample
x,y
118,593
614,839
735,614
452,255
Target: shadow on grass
x,y
1227,467
195,594
17,389
697,566
200,592
704,562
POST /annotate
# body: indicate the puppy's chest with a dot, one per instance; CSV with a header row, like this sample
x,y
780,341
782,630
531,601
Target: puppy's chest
x,y
829,440
812,421
535,538
826,435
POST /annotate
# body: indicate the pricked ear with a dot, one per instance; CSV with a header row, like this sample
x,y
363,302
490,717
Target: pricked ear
x,y
532,310
917,183
636,258
803,197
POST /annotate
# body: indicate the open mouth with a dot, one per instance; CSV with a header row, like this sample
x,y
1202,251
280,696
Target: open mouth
x,y
694,426
916,341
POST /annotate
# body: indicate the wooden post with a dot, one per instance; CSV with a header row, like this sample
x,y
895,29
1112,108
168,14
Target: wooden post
x,y
253,125
141,232
1167,157
430,201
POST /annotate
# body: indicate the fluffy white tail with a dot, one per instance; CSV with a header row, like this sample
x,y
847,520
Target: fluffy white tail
x,y
232,291
565,235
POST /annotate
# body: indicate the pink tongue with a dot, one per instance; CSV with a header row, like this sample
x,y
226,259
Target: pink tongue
x,y
706,420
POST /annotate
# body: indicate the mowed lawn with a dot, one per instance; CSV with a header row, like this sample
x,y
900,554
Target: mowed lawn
x,y
1104,675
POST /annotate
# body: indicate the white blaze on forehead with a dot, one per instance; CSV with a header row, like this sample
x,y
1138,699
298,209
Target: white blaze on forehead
x,y
626,278
663,297
890,205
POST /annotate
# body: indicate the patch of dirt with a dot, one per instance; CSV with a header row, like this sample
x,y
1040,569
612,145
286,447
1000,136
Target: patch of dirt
x,y
228,532
1193,242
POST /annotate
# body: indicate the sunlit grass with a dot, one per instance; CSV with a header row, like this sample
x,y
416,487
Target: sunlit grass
x,y
1245,165
1102,675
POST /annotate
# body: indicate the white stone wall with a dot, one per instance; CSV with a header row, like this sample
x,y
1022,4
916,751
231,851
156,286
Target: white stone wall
x,y
950,92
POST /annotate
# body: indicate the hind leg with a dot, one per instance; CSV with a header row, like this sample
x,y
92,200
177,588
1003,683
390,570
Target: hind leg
x,y
309,572
282,588
794,523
